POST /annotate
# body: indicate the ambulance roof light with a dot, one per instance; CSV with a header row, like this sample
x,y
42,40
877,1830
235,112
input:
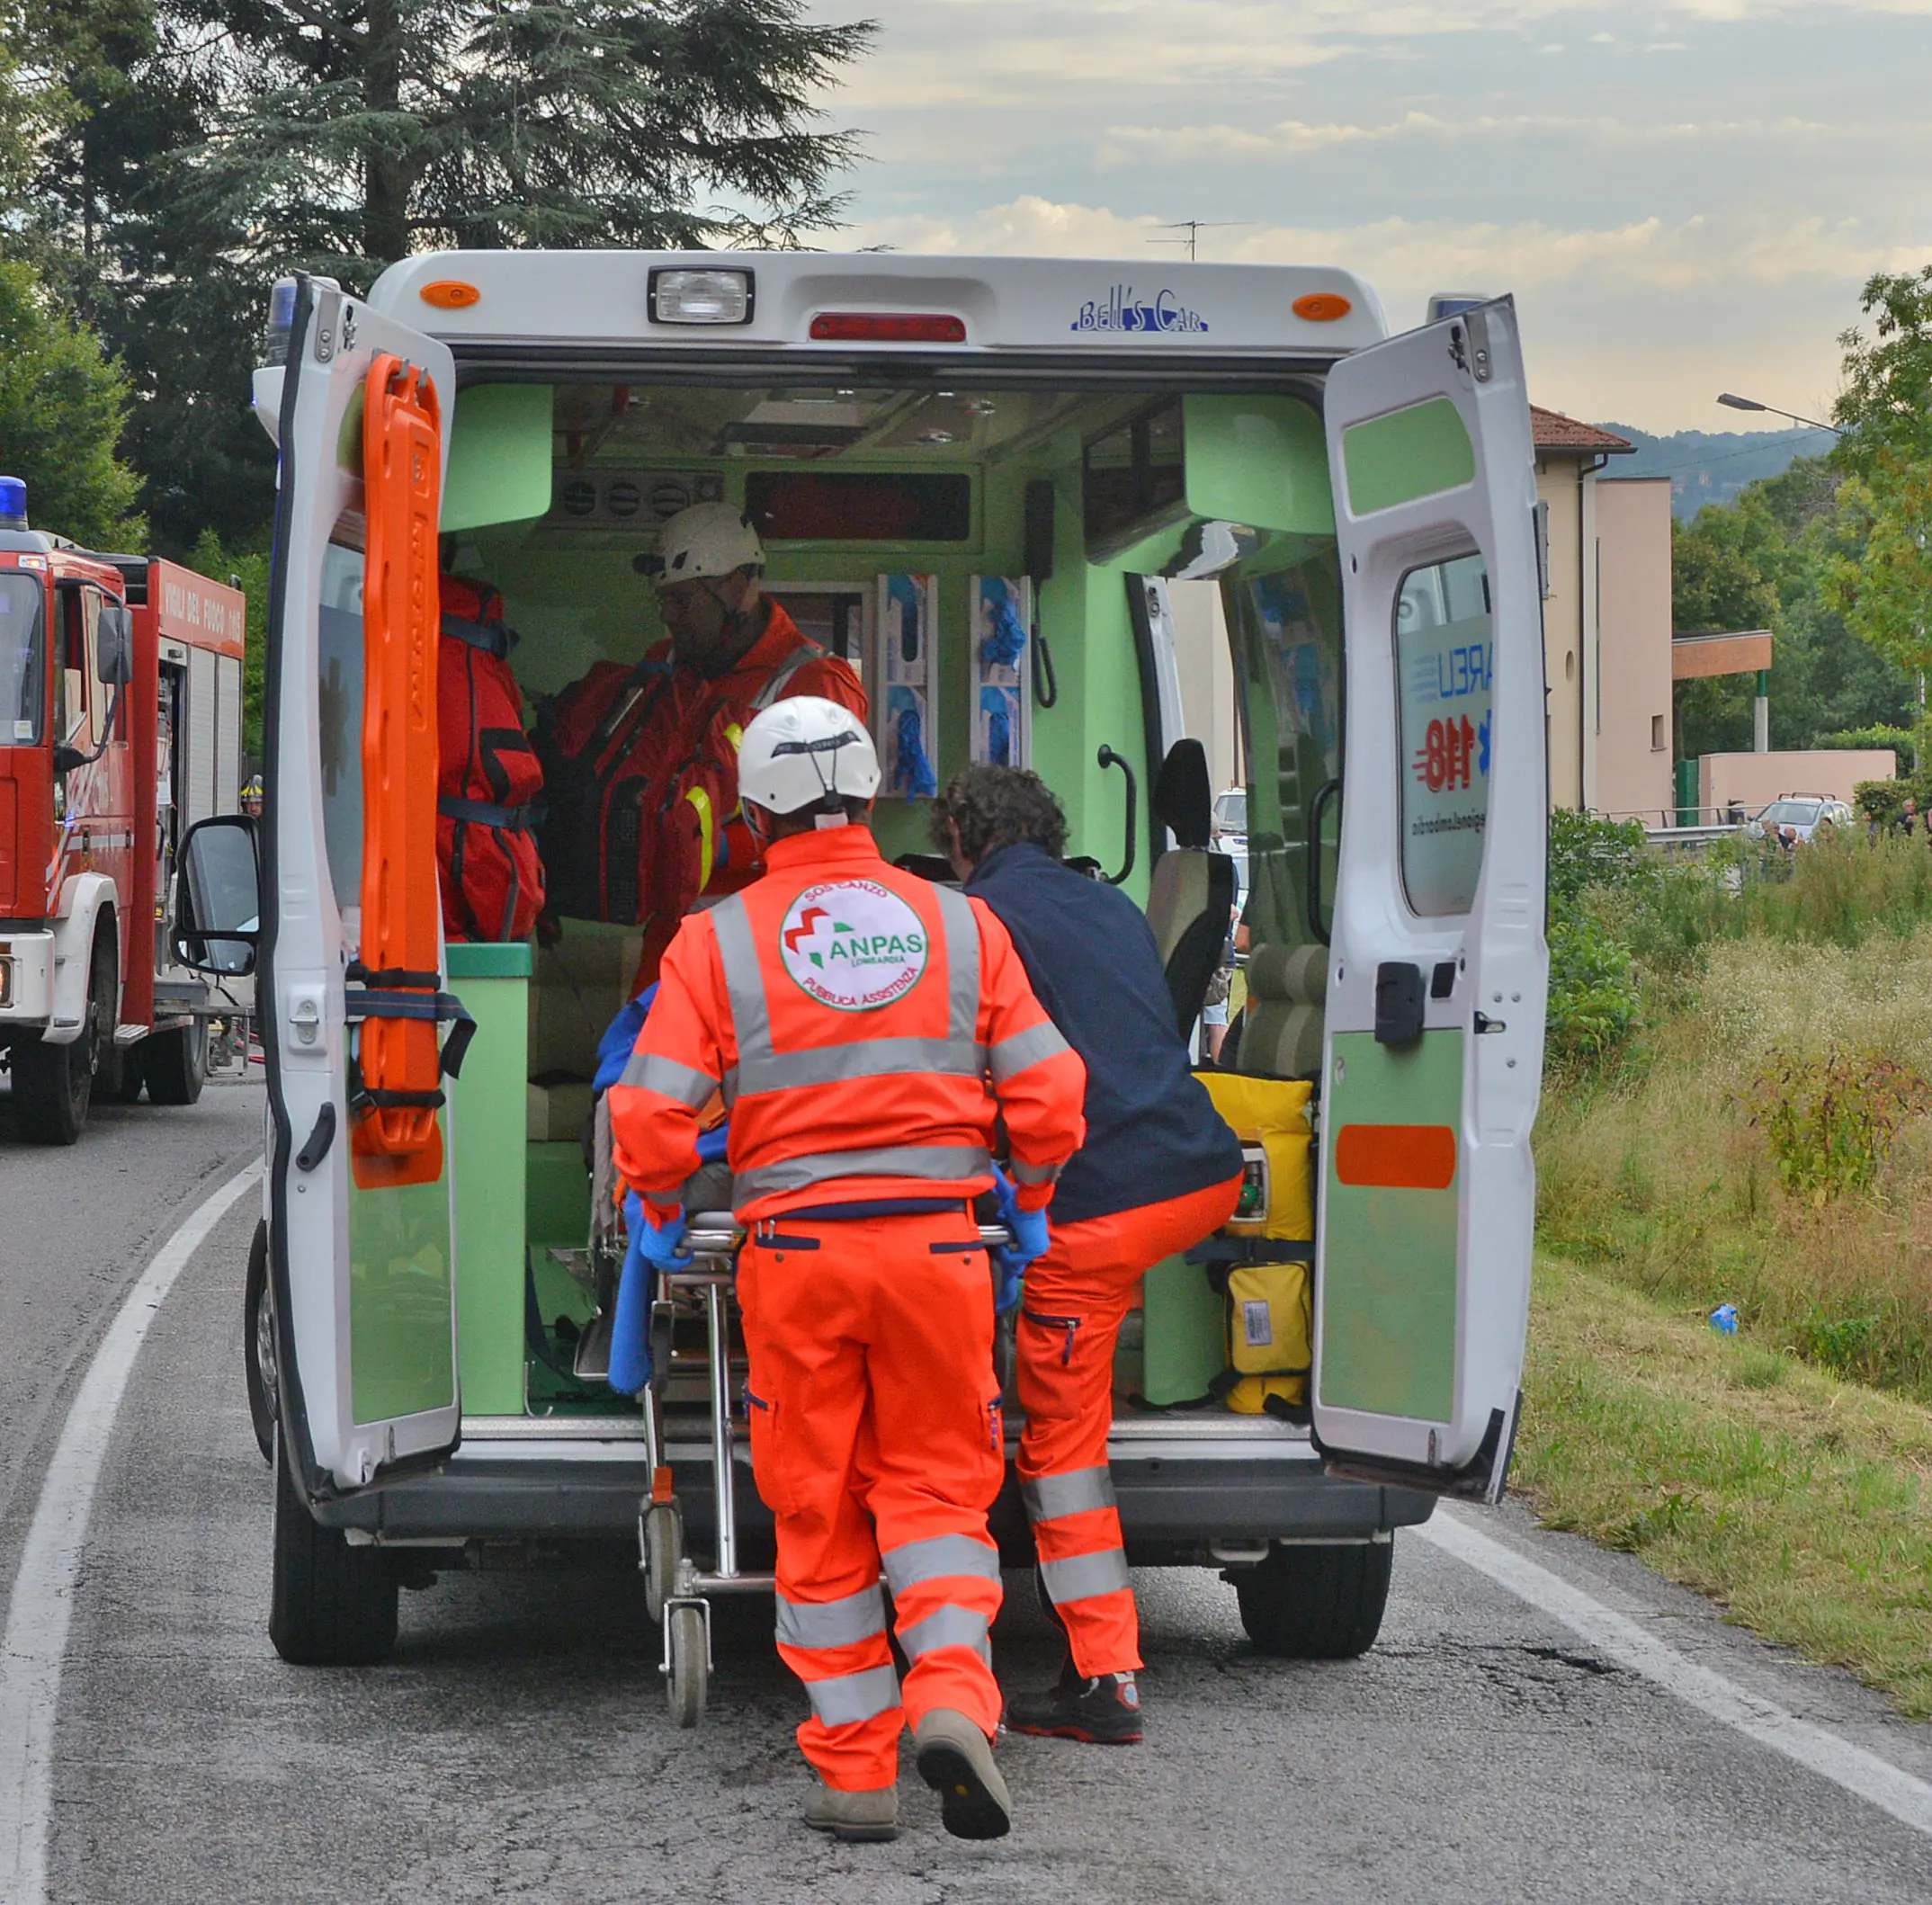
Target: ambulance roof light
x,y
1447,304
13,503
679,295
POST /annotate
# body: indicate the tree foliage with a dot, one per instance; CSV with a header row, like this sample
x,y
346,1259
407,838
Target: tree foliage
x,y
209,146
1770,560
61,406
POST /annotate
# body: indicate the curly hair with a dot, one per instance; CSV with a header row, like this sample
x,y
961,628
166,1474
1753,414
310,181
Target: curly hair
x,y
995,807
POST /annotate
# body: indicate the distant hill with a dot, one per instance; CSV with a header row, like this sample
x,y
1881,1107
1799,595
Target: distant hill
x,y
1707,466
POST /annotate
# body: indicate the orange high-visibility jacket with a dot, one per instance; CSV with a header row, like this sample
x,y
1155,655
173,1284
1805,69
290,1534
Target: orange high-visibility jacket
x,y
865,1027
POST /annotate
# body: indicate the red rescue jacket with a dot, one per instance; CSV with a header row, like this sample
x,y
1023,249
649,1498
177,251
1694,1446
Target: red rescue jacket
x,y
487,858
642,767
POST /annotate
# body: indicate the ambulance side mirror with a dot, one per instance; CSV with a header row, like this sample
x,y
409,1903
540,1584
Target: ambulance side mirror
x,y
115,646
217,897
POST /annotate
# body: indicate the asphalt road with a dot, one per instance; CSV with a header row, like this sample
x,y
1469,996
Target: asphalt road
x,y
75,1227
518,1748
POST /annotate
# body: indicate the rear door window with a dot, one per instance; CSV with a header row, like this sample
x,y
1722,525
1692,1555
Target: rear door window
x,y
1443,672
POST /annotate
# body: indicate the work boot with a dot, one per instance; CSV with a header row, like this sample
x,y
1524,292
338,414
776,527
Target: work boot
x,y
955,1759
1104,1710
856,1818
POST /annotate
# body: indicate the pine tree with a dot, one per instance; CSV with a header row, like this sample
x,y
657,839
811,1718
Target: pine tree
x,y
212,145
351,132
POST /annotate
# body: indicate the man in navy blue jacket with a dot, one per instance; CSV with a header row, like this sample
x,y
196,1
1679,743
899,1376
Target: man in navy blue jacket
x,y
1159,1171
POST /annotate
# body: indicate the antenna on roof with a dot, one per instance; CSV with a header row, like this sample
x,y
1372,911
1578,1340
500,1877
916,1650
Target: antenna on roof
x,y
1193,228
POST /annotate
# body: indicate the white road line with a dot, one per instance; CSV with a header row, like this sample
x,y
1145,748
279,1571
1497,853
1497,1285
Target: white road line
x,y
50,1564
1889,1788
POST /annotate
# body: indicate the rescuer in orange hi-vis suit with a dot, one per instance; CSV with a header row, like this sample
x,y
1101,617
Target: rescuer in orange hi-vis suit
x,y
1160,1170
867,1029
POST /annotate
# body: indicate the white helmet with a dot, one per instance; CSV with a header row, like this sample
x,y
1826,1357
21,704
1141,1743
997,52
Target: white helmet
x,y
801,752
709,539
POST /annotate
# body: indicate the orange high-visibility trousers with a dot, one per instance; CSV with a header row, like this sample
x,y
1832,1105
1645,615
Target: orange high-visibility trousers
x,y
877,1441
1076,1297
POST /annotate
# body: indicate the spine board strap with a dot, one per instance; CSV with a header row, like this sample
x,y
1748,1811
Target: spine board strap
x,y
486,813
379,997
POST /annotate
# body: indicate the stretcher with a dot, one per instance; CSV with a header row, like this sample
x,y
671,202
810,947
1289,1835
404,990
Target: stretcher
x,y
679,1589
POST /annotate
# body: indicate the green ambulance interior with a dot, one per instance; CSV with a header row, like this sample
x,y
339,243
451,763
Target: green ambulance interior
x,y
553,493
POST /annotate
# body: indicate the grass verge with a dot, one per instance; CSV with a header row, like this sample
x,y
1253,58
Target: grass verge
x,y
1803,1504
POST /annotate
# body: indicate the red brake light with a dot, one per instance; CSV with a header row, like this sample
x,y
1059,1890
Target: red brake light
x,y
887,328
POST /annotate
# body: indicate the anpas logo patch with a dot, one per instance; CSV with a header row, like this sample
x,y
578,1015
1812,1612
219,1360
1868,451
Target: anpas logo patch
x,y
853,946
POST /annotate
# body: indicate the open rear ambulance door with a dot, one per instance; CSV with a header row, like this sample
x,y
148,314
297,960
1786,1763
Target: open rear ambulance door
x,y
362,1257
1432,1053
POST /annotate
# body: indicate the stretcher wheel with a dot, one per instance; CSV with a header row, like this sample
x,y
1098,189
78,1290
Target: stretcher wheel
x,y
690,1666
664,1548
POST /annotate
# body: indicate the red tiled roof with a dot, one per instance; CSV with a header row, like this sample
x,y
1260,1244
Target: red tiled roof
x,y
1555,431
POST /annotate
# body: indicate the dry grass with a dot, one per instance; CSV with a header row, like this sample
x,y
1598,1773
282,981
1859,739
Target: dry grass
x,y
1656,1175
1804,1503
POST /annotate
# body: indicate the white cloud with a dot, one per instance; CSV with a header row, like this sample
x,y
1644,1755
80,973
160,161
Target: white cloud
x,y
1176,145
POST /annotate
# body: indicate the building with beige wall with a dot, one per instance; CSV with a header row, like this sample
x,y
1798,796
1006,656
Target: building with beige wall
x,y
1569,456
1635,745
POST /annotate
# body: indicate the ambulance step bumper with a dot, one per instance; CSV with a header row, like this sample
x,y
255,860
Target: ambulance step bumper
x,y
1174,1507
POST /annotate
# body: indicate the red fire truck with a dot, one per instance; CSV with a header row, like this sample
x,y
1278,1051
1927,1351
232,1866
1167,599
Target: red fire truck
x,y
121,707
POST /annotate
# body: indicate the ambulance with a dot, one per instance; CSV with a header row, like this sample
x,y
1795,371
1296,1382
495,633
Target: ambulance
x,y
979,480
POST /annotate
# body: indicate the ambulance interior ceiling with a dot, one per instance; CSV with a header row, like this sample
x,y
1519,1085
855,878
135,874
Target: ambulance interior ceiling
x,y
556,491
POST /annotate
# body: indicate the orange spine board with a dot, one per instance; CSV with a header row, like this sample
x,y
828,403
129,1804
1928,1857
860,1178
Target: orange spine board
x,y
402,473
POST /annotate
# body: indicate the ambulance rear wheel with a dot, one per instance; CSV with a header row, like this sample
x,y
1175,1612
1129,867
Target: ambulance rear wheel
x,y
690,1667
329,1605
174,1063
1315,1604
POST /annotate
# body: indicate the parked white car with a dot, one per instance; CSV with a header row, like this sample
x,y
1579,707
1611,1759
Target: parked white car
x,y
1803,813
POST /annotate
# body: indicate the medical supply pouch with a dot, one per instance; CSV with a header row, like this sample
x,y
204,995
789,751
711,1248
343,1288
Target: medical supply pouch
x,y
1270,1118
489,777
1270,1339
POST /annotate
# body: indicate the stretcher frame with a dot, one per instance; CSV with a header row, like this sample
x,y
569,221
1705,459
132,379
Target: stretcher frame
x,y
676,1591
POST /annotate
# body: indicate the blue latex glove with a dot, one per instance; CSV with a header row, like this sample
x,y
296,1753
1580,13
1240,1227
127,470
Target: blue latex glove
x,y
1031,1238
652,1246
712,1145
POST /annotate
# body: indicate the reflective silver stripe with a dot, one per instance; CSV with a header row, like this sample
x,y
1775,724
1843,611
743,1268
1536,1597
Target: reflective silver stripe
x,y
1082,1576
962,928
1014,1055
832,1623
862,1059
945,1163
649,1072
1035,1173
846,1698
1052,1496
751,1018
774,689
947,1627
937,1558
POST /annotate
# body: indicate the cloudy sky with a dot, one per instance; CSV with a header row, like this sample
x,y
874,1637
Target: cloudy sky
x,y
1685,197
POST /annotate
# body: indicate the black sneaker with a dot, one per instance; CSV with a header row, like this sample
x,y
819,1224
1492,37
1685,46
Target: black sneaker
x,y
1103,1711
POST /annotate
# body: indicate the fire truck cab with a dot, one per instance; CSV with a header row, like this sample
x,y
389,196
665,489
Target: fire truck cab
x,y
120,691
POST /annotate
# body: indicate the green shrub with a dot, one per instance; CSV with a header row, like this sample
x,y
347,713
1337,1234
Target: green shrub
x,y
1595,999
1587,850
1898,740
1882,800
1830,1121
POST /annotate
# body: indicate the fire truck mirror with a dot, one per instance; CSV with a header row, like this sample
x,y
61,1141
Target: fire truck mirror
x,y
218,905
115,639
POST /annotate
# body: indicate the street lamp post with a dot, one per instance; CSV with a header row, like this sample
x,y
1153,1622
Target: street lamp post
x,y
1732,401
